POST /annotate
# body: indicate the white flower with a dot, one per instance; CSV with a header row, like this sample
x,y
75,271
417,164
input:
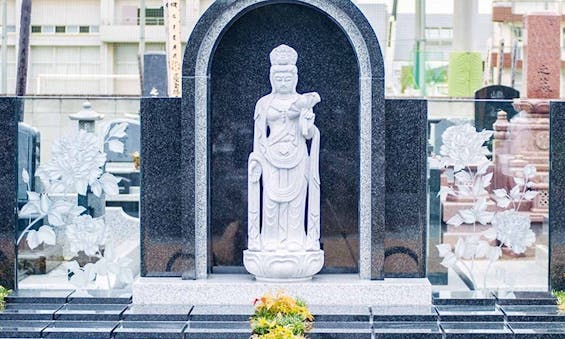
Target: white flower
x,y
76,163
513,230
117,268
58,212
463,145
86,234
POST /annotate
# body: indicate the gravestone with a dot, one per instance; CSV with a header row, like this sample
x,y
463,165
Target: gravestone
x,y
490,100
28,158
197,228
155,74
131,141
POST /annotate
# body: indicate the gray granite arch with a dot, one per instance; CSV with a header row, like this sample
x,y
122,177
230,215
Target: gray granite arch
x,y
194,120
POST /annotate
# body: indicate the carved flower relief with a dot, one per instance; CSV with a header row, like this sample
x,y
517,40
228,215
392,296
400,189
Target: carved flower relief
x,y
542,140
463,145
86,234
513,230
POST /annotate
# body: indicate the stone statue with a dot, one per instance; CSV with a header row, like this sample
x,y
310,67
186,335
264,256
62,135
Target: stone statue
x,y
280,247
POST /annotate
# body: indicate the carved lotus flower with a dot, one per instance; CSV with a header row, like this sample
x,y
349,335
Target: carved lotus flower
x,y
86,234
463,145
513,230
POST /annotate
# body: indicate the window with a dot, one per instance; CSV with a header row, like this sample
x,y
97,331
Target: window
x,y
72,29
48,29
60,29
94,29
36,29
153,16
84,29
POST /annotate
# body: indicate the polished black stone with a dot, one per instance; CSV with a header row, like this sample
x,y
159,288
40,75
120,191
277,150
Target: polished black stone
x,y
476,330
217,330
157,313
20,311
239,77
80,329
404,313
22,329
36,296
90,312
525,298
557,195
463,298
154,70
530,330
340,313
340,329
8,186
492,99
221,313
167,248
406,188
470,313
149,329
521,313
413,329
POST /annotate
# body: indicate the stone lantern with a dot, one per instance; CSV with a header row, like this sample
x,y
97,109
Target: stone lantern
x,y
86,117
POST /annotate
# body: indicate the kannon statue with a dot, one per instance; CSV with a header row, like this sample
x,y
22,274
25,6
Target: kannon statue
x,y
284,237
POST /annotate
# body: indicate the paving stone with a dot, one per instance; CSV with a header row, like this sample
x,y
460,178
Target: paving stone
x,y
549,330
401,329
469,313
520,313
221,313
22,329
39,296
463,298
525,298
340,329
476,330
100,297
20,311
404,313
150,329
92,312
80,329
340,313
217,330
157,313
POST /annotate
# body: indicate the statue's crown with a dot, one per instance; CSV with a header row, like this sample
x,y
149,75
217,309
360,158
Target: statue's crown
x,y
283,55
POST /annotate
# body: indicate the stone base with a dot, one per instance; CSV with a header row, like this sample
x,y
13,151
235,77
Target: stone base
x,y
283,266
323,289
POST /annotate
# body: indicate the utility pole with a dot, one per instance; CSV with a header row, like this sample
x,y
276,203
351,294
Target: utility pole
x,y
421,45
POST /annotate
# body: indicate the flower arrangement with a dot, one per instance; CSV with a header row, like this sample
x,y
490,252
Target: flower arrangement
x,y
280,317
3,294
463,148
77,167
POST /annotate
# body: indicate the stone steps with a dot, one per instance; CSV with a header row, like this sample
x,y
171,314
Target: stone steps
x,y
57,314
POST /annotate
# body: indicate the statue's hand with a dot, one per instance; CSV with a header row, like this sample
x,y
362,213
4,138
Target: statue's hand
x,y
254,171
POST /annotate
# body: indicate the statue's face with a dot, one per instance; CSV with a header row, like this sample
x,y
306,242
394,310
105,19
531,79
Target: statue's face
x,y
284,82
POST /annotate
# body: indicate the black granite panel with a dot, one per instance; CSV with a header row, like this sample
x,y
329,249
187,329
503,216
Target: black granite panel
x,y
90,312
221,313
399,330
22,329
149,329
33,296
326,64
19,311
217,8
525,298
461,298
80,329
378,179
100,297
340,313
485,330
491,100
166,249
522,313
157,313
217,330
340,329
557,195
155,74
406,188
468,313
528,330
8,190
404,313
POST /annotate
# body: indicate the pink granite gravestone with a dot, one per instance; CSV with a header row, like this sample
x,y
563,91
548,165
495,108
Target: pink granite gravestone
x,y
542,55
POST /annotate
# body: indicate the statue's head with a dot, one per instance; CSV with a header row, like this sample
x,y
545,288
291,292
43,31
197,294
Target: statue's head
x,y
284,74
